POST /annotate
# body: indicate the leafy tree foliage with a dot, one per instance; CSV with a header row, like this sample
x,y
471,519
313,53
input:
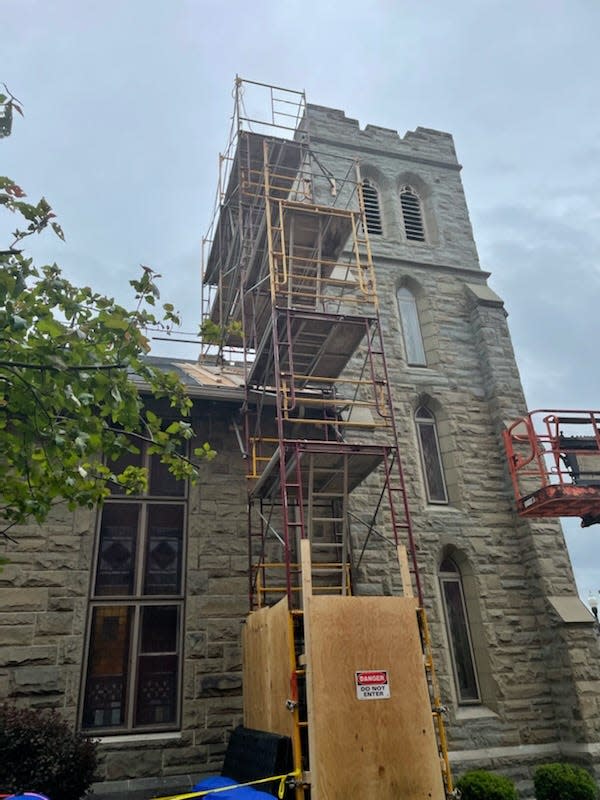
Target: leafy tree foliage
x,y
8,104
71,366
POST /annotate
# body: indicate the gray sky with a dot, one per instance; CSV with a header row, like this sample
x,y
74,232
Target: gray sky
x,y
128,104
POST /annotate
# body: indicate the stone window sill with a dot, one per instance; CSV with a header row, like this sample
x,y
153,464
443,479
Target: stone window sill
x,y
136,737
474,712
443,507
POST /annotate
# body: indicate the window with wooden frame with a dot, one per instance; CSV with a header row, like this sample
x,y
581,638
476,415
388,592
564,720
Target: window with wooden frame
x,y
412,215
411,328
431,457
370,197
459,633
133,664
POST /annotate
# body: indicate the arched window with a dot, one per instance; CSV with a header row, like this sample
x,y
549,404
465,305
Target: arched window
x,y
459,633
412,215
431,459
370,197
411,328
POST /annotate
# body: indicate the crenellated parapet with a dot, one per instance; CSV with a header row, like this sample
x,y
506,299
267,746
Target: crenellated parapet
x,y
331,124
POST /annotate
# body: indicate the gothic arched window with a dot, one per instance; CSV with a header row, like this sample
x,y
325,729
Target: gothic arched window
x,y
412,215
431,458
411,328
459,633
370,197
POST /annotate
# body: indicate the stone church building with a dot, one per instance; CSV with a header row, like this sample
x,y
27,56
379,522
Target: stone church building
x,y
128,619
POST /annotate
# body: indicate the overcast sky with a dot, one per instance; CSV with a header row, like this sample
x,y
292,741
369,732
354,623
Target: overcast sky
x,y
128,104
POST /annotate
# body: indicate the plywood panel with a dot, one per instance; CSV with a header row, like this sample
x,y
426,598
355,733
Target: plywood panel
x,y
266,649
383,748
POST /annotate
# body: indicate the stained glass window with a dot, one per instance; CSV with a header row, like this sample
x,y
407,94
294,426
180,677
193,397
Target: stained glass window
x,y
459,634
431,459
133,657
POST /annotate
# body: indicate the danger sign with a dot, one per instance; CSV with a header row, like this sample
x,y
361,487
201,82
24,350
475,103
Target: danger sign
x,y
372,684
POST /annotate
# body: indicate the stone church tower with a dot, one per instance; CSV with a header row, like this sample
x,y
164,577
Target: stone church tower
x,y
516,649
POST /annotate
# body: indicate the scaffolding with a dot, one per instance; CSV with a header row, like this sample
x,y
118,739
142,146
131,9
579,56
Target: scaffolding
x,y
290,293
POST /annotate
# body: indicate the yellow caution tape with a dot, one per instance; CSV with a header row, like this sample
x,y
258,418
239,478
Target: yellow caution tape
x,y
280,791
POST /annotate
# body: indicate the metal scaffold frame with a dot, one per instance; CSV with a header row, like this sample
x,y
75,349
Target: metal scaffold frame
x,y
292,295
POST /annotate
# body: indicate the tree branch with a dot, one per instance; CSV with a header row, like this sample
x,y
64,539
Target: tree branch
x,y
49,368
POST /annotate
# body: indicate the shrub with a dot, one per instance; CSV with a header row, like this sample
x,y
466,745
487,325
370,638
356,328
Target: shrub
x,y
563,782
478,784
39,752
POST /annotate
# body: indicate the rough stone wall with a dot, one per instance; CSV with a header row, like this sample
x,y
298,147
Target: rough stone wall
x,y
43,607
423,158
44,594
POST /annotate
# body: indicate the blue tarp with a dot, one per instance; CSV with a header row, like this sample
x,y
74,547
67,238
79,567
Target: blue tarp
x,y
243,793
27,796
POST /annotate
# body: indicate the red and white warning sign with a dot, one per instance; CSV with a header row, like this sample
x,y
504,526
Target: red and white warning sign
x,y
372,684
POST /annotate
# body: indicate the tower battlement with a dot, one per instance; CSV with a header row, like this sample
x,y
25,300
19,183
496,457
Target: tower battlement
x,y
332,123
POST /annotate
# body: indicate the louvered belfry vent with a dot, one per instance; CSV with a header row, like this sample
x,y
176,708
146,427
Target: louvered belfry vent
x,y
412,215
372,212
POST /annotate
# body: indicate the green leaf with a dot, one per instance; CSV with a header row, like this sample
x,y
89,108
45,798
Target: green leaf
x,y
18,323
116,394
70,408
115,323
58,230
50,326
205,452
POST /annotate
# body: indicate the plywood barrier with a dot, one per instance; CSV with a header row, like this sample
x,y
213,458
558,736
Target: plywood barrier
x,y
382,746
266,643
